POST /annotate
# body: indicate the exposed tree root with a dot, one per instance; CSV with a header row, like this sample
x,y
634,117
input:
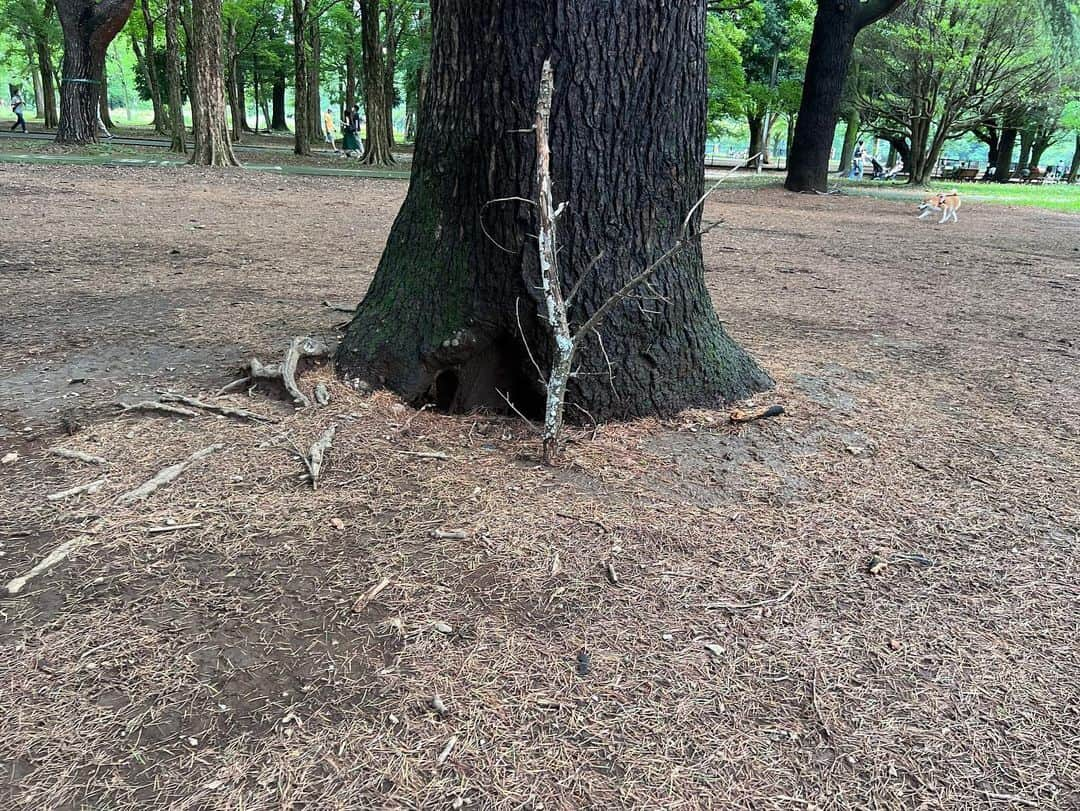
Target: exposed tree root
x,y
89,458
89,488
284,372
165,476
313,461
150,405
228,411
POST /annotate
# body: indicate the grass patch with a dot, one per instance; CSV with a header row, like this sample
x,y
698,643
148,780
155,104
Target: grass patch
x,y
1053,197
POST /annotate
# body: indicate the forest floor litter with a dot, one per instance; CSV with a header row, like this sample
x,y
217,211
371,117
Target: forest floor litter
x,y
866,601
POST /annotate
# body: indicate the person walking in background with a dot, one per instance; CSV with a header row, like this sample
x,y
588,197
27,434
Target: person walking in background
x,y
857,161
330,129
17,107
351,140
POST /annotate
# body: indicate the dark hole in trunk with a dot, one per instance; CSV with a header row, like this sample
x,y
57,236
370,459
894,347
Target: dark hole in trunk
x,y
482,380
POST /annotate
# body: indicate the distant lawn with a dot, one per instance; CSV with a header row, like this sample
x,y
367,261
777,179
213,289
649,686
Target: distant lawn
x,y
1055,197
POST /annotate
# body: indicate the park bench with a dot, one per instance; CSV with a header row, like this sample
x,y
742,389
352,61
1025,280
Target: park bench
x,y
1035,175
967,175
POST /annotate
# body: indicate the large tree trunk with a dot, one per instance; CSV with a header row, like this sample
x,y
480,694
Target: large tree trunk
x,y
89,26
1074,169
1027,138
301,102
350,77
835,26
315,128
105,110
172,57
35,71
232,90
756,145
389,67
377,149
212,146
48,71
851,138
150,67
278,122
440,320
1005,154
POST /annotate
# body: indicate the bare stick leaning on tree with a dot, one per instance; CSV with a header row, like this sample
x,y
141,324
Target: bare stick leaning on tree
x,y
567,341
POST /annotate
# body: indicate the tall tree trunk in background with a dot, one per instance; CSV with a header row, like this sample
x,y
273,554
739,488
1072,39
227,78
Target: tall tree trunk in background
x,y
756,123
89,26
150,67
851,138
241,97
301,102
105,112
45,64
232,91
278,121
212,146
1027,138
172,61
1074,169
377,151
835,26
1005,152
990,136
389,68
315,130
440,319
35,77
350,77
189,68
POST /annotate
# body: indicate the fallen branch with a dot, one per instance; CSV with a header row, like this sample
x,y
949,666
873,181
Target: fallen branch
x,y
228,411
313,461
783,598
89,488
150,405
67,453
56,556
165,476
338,308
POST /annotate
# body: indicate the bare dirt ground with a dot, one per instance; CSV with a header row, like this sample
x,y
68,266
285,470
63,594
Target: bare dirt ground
x,y
746,657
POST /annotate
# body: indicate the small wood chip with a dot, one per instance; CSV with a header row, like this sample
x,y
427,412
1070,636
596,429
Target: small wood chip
x,y
877,565
337,523
612,575
445,753
438,705
13,456
450,534
443,628
172,528
716,650
322,394
370,594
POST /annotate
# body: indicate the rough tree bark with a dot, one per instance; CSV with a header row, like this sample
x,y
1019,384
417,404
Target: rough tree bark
x,y
393,34
104,110
278,122
440,321
212,145
172,57
377,150
48,71
851,138
315,128
1074,169
301,102
89,26
150,67
232,81
835,26
1006,145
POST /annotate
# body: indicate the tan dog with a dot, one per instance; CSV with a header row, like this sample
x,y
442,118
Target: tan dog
x,y
949,202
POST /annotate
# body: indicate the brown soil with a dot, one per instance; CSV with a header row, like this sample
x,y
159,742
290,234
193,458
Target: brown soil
x,y
931,382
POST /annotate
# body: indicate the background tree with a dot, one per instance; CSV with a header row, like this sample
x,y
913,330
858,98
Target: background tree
x,y
441,318
836,25
211,131
89,26
377,104
175,77
32,23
